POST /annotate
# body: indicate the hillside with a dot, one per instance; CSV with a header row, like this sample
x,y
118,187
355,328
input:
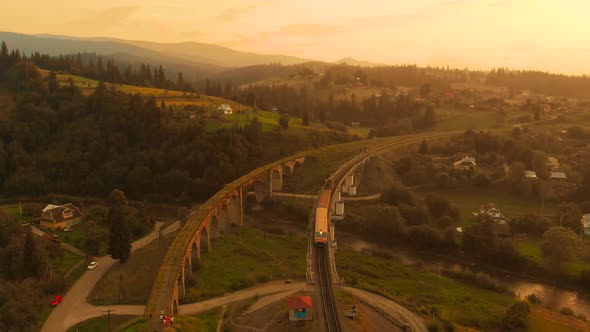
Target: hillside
x,y
183,104
361,63
209,56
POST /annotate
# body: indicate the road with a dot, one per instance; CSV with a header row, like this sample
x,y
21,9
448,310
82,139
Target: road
x,y
266,289
395,311
74,308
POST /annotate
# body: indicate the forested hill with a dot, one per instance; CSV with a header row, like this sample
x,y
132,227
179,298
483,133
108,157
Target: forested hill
x,y
55,140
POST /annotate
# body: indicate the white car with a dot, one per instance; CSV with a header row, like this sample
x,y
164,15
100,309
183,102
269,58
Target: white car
x,y
92,265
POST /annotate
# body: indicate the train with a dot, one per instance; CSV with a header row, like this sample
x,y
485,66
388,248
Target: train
x,y
321,230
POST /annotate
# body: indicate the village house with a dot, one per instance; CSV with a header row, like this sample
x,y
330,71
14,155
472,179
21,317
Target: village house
x,y
60,216
500,227
557,176
466,164
300,308
225,109
585,221
552,163
531,175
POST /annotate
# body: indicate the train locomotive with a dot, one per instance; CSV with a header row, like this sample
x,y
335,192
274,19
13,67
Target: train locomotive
x,y
321,230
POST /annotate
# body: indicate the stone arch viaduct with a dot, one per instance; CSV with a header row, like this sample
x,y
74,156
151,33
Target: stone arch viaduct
x,y
212,219
226,208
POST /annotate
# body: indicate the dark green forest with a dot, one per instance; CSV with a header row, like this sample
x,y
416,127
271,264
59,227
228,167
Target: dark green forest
x,y
56,140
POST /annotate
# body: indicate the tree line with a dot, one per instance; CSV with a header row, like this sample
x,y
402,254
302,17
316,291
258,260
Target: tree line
x,y
542,82
105,69
59,141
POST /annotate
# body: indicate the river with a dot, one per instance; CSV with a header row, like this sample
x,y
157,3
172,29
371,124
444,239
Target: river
x,y
551,297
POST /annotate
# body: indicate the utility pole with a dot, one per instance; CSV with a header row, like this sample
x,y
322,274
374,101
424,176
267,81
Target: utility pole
x,y
108,311
121,287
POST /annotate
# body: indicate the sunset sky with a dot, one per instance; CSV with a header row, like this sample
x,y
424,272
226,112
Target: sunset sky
x,y
533,34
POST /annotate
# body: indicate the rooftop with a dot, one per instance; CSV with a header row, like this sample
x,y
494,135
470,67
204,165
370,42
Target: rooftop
x,y
299,302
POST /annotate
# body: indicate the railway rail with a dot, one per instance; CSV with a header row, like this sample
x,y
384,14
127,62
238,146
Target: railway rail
x,y
328,300
325,264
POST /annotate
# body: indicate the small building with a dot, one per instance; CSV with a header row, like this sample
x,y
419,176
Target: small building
x,y
355,124
500,227
557,176
552,163
585,224
60,216
530,175
226,109
466,164
300,308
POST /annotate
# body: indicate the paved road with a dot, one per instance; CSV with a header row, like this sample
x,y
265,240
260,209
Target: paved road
x,y
266,289
75,309
389,308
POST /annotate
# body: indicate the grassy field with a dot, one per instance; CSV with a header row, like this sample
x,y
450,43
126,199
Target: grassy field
x,y
309,177
470,199
138,276
100,324
247,257
67,262
421,291
196,323
543,320
464,120
14,210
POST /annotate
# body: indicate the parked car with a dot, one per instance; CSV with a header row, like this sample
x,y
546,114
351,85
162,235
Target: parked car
x,y
56,301
92,265
67,229
50,238
55,236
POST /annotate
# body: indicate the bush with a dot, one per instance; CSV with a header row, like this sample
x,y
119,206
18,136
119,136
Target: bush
x,y
398,194
414,215
481,180
566,311
533,299
516,316
440,207
530,224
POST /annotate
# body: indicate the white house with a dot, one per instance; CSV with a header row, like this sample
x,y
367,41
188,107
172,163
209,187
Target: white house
x,y
530,175
552,163
558,176
225,108
467,163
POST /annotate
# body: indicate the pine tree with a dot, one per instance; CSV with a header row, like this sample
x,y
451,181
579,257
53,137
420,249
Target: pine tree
x,y
161,77
306,119
180,81
100,69
32,260
120,235
52,83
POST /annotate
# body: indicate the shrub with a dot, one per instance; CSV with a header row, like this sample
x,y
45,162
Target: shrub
x,y
533,299
566,311
516,316
398,194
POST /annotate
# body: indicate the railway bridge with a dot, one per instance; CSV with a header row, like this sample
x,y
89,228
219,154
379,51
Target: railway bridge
x,y
226,209
213,219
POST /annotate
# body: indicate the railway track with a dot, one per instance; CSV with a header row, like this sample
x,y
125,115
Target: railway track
x,y
325,279
323,258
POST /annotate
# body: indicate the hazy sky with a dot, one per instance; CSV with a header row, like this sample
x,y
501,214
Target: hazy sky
x,y
549,35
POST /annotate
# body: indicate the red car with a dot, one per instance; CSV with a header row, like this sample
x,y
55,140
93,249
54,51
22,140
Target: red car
x,y
56,300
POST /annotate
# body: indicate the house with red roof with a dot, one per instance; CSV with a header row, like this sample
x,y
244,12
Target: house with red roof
x,y
300,308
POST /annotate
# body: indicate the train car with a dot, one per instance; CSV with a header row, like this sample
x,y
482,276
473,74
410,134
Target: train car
x,y
324,199
320,237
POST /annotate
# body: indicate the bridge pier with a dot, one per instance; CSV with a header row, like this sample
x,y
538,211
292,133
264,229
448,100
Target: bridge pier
x,y
276,177
225,209
349,186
